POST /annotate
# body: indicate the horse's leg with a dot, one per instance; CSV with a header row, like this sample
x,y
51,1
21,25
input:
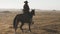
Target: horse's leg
x,y
21,26
29,27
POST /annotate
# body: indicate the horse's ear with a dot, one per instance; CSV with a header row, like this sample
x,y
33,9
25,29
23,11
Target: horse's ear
x,y
34,10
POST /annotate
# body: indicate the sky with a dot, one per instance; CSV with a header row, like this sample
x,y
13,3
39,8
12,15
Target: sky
x,y
33,4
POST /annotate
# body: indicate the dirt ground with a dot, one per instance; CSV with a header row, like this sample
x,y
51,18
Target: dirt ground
x,y
47,22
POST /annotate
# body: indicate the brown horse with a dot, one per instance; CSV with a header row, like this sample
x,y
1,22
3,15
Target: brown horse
x,y
23,18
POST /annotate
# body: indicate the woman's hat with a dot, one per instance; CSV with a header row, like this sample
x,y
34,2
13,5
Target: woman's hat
x,y
25,1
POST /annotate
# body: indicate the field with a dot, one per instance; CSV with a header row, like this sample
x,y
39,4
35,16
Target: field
x,y
46,22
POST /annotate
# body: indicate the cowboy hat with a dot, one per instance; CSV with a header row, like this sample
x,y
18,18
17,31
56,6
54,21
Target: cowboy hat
x,y
25,1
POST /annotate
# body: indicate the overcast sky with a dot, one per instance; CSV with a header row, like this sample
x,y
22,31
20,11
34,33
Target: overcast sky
x,y
33,4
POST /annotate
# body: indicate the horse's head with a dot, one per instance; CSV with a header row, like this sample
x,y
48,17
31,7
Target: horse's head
x,y
33,12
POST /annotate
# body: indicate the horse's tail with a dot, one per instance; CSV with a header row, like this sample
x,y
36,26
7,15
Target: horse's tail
x,y
15,23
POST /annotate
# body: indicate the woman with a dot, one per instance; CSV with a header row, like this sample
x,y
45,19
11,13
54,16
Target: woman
x,y
26,7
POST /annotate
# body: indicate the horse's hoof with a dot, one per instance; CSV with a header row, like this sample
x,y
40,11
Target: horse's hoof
x,y
29,31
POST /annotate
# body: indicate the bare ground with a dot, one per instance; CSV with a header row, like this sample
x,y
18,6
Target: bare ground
x,y
44,23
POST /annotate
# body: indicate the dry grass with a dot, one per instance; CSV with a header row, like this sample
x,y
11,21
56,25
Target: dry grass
x,y
44,23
